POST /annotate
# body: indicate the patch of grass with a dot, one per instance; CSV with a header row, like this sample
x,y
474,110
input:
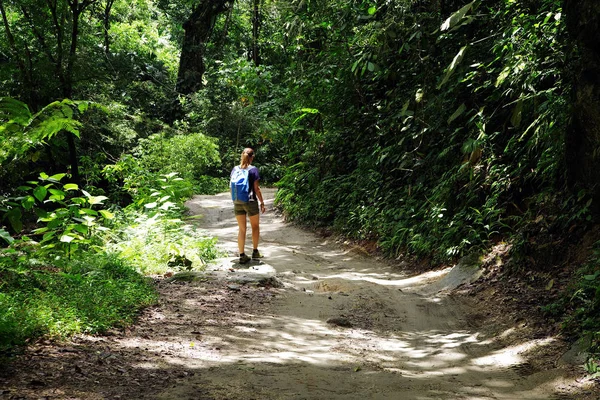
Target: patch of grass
x,y
88,294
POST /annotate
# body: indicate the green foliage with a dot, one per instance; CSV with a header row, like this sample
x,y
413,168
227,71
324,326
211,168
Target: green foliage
x,y
147,177
193,156
90,289
154,245
592,368
87,294
139,149
67,221
144,187
433,131
585,300
433,136
20,130
241,104
143,29
579,306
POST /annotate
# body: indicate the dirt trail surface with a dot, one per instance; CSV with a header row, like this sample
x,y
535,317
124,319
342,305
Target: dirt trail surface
x,y
313,320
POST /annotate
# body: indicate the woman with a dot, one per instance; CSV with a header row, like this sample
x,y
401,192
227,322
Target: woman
x,y
250,207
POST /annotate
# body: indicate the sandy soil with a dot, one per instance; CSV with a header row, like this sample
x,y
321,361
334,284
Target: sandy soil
x,y
313,320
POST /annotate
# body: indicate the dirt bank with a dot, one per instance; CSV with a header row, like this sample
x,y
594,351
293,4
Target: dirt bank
x,y
314,321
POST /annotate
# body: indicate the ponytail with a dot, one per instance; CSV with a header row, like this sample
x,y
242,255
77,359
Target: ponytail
x,y
246,158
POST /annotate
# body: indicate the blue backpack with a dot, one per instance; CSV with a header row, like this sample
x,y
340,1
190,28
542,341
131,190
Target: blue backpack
x,y
240,185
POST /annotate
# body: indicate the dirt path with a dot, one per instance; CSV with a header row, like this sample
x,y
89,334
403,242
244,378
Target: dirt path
x,y
329,323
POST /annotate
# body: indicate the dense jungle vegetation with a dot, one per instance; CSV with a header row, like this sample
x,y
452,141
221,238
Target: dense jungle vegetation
x,y
436,129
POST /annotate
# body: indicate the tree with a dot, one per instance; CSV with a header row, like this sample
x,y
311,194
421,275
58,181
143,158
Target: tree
x,y
198,29
54,28
583,136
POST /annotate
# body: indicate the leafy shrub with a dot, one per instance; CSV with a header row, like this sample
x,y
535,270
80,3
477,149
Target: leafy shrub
x,y
211,185
584,300
153,244
65,214
191,156
145,187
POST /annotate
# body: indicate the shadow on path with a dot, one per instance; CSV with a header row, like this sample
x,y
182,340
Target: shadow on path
x,y
341,326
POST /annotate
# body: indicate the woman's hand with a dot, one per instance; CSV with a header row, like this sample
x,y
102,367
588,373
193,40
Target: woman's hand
x,y
262,208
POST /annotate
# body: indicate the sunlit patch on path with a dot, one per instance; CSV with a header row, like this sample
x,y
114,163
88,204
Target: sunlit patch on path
x,y
311,321
400,336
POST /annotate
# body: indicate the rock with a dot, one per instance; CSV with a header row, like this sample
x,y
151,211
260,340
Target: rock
x,y
339,321
234,288
270,282
577,354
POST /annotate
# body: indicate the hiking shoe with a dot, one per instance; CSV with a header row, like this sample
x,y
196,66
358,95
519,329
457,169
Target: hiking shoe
x,y
256,255
244,259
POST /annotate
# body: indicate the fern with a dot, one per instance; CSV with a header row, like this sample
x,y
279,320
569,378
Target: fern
x,y
13,111
20,130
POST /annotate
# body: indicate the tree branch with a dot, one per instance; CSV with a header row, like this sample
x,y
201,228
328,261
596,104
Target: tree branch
x,y
38,35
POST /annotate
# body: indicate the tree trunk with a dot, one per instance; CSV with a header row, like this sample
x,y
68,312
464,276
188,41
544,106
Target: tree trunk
x,y
77,9
583,135
106,23
197,32
255,31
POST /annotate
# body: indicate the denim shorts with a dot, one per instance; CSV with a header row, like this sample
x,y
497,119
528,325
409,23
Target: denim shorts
x,y
250,208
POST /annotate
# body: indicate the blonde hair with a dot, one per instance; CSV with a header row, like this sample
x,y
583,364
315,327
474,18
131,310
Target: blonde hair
x,y
246,157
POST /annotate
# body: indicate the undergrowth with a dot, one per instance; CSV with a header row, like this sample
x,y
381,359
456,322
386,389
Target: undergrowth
x,y
88,294
75,261
153,245
579,306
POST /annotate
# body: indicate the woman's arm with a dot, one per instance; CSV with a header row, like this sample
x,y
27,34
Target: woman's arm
x,y
258,194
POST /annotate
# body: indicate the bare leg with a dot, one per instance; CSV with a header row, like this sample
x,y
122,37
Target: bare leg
x,y
254,223
241,220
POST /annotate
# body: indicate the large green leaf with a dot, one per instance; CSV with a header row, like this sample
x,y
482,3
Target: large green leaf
x,y
40,193
6,236
56,177
456,17
94,199
66,238
517,114
89,211
14,112
459,111
106,214
57,195
97,199
28,202
452,67
81,229
14,218
41,213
